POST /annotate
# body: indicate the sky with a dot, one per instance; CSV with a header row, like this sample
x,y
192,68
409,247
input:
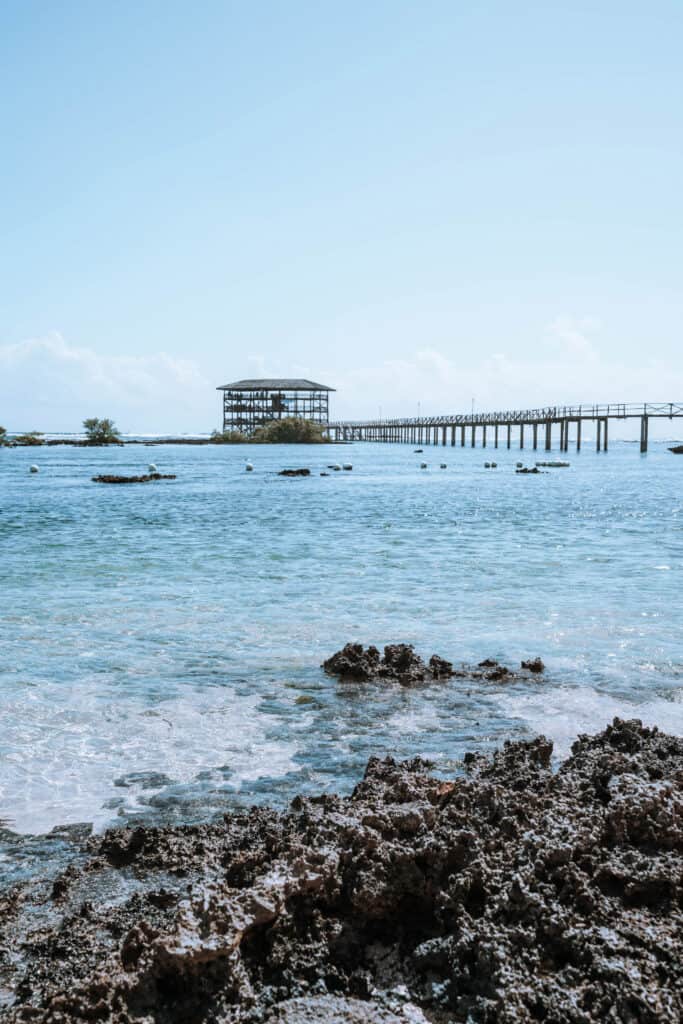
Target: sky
x,y
435,202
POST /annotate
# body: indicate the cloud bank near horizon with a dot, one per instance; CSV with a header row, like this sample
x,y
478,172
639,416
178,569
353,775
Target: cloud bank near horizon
x,y
50,385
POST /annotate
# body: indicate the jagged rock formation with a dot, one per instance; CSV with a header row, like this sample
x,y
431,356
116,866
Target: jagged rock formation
x,y
400,663
511,893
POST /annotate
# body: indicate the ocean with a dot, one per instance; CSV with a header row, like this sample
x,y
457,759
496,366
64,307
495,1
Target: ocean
x,y
161,644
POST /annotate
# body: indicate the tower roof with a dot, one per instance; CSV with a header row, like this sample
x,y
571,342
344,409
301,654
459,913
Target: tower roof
x,y
275,384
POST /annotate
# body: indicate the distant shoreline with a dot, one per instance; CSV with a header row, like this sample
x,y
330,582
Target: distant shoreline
x,y
77,443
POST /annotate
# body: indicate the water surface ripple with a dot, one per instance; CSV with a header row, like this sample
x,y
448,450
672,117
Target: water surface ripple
x,y
160,645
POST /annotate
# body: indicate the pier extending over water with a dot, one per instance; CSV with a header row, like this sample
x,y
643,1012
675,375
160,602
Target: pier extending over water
x,y
532,427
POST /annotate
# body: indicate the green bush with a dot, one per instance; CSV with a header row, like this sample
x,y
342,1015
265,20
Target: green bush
x,y
101,431
33,437
228,437
290,430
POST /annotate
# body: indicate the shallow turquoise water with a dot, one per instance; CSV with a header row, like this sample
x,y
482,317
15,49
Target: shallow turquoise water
x,y
160,645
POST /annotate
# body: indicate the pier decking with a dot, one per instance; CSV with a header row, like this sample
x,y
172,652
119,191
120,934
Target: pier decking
x,y
497,428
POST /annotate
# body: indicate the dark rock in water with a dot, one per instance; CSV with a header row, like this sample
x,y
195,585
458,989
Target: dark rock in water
x,y
145,479
324,474
677,449
439,667
294,472
399,662
534,665
497,673
510,894
494,672
525,469
354,662
418,451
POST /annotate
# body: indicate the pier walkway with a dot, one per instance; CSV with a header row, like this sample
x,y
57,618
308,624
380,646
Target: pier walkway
x,y
496,428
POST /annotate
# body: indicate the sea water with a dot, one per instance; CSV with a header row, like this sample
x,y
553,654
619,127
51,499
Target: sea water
x,y
161,644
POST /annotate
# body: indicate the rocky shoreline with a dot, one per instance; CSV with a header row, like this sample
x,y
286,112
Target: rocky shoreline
x,y
512,892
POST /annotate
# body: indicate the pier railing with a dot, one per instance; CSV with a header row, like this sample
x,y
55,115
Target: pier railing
x,y
554,413
434,429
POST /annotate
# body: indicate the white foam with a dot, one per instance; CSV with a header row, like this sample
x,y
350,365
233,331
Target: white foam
x,y
62,748
563,712
415,719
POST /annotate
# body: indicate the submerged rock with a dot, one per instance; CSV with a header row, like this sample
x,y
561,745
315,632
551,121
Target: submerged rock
x,y
512,893
533,665
294,472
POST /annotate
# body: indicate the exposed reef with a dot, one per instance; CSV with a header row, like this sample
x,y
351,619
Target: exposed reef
x,y
510,893
400,663
144,479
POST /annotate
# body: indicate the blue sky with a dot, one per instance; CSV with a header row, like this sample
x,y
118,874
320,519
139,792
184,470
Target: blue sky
x,y
437,202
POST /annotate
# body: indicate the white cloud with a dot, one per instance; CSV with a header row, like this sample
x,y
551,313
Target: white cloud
x,y
47,384
568,369
572,337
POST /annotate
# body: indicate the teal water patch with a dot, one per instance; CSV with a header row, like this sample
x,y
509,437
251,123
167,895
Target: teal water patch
x,y
160,644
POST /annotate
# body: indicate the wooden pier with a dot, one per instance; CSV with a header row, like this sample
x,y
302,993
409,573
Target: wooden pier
x,y
531,427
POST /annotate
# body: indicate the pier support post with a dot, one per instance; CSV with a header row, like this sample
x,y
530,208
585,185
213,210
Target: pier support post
x,y
521,435
452,435
483,439
578,435
598,431
509,426
644,427
443,436
604,436
535,430
474,435
462,435
548,435
495,436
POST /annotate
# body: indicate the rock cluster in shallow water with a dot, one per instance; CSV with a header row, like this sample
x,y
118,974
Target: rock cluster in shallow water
x,y
108,478
512,893
400,663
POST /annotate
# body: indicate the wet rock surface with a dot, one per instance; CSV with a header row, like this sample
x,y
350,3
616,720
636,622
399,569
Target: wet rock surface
x,y
400,663
510,893
534,665
294,472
